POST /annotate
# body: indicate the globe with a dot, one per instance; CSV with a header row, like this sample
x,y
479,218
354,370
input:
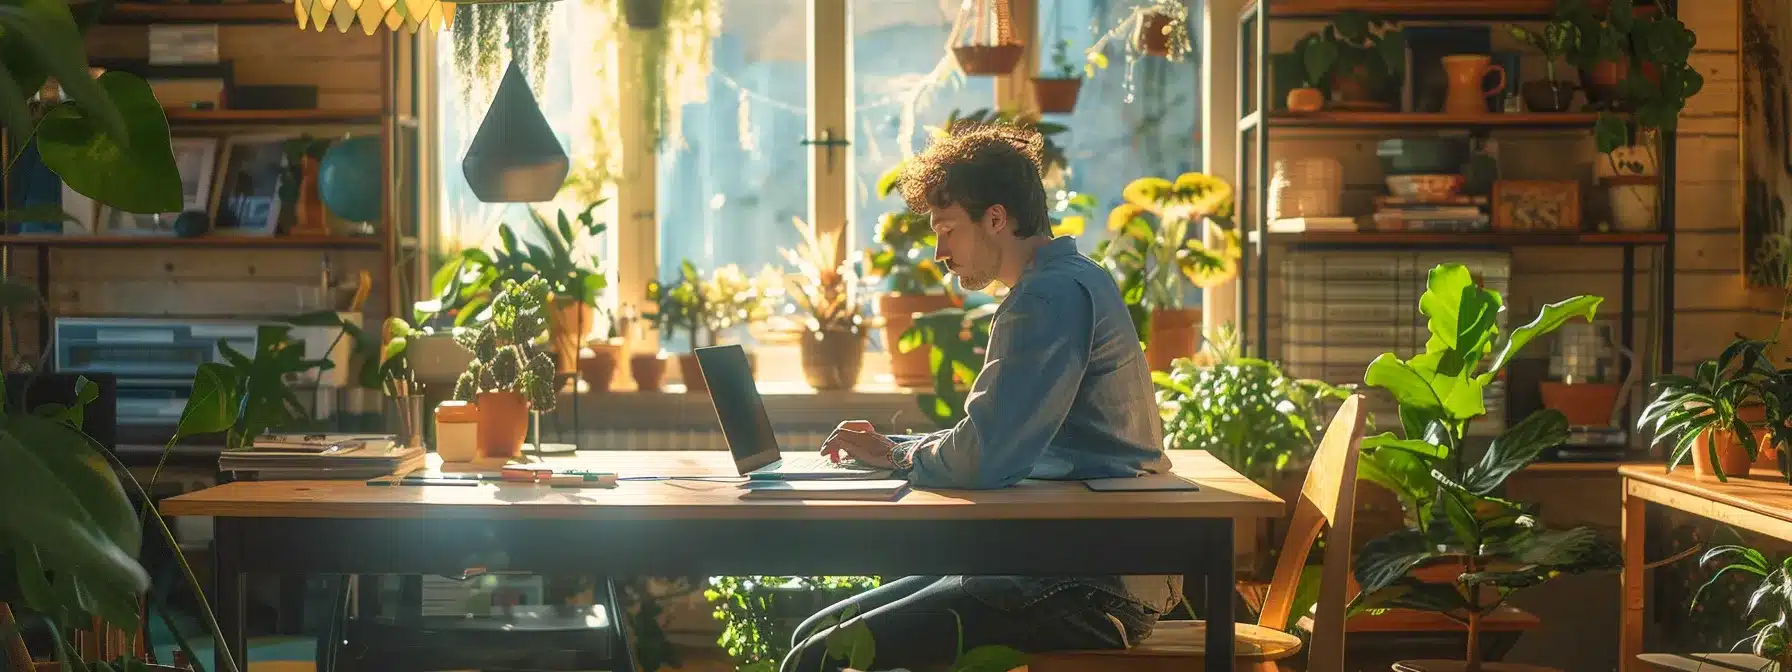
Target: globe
x,y
348,180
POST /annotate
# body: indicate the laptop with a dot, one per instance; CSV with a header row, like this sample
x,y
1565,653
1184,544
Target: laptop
x,y
748,429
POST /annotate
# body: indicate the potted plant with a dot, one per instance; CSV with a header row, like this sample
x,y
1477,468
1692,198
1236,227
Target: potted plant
x,y
1370,62
1156,247
960,336
704,308
1000,54
759,614
510,374
905,260
1711,415
825,289
1769,635
1316,57
1153,28
1458,524
1057,94
1554,42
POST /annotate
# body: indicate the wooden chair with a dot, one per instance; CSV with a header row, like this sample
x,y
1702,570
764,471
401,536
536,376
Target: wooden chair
x,y
1326,499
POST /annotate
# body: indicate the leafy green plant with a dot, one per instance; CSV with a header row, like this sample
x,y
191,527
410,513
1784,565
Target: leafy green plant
x,y
703,308
1062,66
854,644
248,395
760,613
958,338
1659,80
1457,517
1554,42
1770,635
1364,47
1711,400
1169,16
467,282
507,351
905,239
1156,243
823,286
1316,57
1243,410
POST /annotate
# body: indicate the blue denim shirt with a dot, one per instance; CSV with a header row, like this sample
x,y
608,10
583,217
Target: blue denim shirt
x,y
1064,393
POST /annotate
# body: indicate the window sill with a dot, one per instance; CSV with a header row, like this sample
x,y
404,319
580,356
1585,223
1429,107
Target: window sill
x,y
792,407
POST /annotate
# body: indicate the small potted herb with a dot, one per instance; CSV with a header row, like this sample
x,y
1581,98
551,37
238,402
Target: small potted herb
x,y
510,375
1554,42
1711,415
1057,94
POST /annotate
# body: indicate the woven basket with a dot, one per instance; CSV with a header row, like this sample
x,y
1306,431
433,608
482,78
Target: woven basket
x,y
1309,187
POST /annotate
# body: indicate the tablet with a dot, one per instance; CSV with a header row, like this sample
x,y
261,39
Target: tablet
x,y
1146,483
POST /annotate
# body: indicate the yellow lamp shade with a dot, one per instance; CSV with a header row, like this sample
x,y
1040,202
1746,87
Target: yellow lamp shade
x,y
409,15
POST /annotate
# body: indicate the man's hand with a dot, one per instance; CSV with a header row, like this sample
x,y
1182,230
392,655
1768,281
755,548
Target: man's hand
x,y
858,440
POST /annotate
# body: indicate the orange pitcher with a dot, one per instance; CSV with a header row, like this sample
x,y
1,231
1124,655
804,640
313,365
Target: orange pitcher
x,y
1466,72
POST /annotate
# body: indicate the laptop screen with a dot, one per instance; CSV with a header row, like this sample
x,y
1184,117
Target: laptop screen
x,y
738,407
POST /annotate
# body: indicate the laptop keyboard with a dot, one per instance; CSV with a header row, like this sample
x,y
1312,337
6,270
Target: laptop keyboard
x,y
812,463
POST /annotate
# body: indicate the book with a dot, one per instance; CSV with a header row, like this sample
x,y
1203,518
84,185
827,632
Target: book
x,y
361,461
1303,224
887,490
322,443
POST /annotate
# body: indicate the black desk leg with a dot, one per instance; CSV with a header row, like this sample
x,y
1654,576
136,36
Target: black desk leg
x,y
228,595
1215,569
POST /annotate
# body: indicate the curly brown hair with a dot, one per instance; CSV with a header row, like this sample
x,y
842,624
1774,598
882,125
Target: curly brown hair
x,y
978,165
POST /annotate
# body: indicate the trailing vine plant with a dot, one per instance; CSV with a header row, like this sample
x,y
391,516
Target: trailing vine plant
x,y
484,33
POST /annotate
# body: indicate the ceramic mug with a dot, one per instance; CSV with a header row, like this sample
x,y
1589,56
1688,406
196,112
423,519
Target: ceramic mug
x,y
1466,73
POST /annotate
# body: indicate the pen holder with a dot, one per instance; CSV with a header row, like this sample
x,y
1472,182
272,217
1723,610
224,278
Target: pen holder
x,y
410,419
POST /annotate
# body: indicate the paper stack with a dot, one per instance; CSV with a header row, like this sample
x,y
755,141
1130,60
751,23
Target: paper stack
x,y
290,457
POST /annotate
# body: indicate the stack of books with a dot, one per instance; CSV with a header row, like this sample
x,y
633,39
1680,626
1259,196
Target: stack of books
x,y
291,457
1456,213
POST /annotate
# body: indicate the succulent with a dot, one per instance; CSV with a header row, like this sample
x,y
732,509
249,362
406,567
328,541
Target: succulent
x,y
507,353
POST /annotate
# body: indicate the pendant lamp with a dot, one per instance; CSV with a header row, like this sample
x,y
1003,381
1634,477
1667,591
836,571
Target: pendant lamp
x,y
408,15
515,158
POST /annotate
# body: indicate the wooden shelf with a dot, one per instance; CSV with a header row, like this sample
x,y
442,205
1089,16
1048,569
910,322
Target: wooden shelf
x,y
356,116
1404,120
185,12
1489,10
1469,239
207,242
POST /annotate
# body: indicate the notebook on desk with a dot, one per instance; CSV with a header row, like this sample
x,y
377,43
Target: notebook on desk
x,y
883,490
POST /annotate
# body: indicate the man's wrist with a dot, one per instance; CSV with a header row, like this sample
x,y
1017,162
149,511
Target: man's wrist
x,y
902,455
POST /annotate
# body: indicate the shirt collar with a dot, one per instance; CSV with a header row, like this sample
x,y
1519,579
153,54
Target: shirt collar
x,y
1058,248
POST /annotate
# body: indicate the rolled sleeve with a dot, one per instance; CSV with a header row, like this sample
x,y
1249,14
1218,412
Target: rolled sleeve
x,y
1038,351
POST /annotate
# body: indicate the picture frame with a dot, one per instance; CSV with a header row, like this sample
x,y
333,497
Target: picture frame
x,y
1536,205
197,160
247,201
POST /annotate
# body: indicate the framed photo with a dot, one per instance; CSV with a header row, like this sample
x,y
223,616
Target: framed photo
x,y
115,222
1536,205
197,161
248,199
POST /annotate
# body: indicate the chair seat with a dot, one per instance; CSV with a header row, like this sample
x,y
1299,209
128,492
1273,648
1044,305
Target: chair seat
x,y
1177,642
1705,662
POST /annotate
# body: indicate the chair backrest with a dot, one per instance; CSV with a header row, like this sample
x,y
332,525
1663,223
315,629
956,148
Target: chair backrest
x,y
1327,499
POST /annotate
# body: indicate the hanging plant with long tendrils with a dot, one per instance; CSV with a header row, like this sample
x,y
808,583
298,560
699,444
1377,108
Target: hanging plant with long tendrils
x,y
486,32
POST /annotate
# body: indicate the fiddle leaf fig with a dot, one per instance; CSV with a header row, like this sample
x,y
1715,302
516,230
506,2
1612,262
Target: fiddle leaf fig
x,y
132,170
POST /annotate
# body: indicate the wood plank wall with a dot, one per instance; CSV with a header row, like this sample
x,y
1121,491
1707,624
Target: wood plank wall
x,y
224,282
1711,303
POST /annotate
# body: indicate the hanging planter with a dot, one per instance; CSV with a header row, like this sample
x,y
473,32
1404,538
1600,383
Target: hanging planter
x,y
1057,94
998,57
514,157
1157,28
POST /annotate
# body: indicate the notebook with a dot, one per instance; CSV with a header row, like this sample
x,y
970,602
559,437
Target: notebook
x,y
887,490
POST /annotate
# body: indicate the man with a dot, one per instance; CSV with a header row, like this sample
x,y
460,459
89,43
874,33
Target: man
x,y
1064,394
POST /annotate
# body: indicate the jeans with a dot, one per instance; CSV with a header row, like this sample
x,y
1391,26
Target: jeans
x,y
916,622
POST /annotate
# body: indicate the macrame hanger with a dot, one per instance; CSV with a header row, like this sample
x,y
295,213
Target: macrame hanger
x,y
1004,29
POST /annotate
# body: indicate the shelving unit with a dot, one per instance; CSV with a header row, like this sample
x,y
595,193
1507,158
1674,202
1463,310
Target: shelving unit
x,y
201,242
357,117
1253,166
238,13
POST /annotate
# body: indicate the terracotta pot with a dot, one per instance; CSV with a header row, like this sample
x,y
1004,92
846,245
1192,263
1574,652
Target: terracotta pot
x,y
832,359
1601,81
910,369
649,371
1768,458
569,320
691,373
503,424
309,209
1056,95
1547,95
1152,38
1352,89
1175,334
988,60
1585,404
1731,456
599,369
644,14
1306,100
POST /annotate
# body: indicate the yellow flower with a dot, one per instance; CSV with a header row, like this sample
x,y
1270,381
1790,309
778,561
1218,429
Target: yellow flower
x,y
1203,194
1118,218
1073,225
1147,192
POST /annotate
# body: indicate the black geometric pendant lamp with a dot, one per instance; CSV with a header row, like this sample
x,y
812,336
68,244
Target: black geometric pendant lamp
x,y
515,158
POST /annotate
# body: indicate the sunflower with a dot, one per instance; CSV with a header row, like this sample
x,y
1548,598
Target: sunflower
x,y
1147,192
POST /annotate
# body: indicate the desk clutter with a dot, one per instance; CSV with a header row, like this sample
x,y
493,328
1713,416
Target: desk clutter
x,y
294,457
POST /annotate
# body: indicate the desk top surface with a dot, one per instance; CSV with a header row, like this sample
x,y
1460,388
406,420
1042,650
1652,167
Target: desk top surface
x,y
1763,492
1223,493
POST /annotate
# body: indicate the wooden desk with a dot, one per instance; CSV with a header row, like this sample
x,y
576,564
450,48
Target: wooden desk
x,y
691,528
1759,503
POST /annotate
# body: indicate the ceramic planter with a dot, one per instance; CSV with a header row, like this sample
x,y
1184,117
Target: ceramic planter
x,y
988,60
1175,334
503,424
1306,100
832,359
1545,95
1056,95
1731,455
648,370
1153,38
910,369
1584,404
599,369
568,321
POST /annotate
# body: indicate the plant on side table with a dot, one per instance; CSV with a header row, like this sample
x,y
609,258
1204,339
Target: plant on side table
x,y
1769,635
1459,524
510,374
916,285
706,308
1712,415
825,288
1157,246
